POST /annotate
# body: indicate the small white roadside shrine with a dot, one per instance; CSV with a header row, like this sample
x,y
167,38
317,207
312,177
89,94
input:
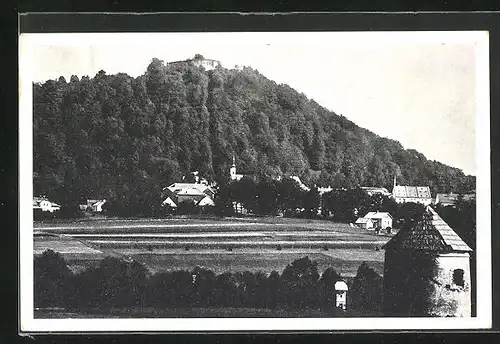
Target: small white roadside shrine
x,y
341,289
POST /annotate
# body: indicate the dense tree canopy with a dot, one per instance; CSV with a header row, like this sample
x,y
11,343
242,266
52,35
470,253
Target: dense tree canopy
x,y
367,289
115,283
124,138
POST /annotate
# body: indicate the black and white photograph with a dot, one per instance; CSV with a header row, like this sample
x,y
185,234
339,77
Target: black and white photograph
x,y
192,181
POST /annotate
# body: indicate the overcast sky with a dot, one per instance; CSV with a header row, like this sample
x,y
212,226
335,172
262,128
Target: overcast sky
x,y
417,88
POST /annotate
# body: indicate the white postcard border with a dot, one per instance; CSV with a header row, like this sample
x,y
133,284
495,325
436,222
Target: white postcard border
x,y
484,278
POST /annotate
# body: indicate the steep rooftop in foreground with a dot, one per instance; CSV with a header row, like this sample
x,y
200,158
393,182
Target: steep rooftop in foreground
x,y
430,234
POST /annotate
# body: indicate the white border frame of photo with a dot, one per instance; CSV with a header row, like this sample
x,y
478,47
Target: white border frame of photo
x,y
483,320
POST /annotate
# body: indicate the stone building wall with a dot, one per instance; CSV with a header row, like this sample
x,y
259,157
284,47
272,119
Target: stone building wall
x,y
408,284
422,284
450,298
206,63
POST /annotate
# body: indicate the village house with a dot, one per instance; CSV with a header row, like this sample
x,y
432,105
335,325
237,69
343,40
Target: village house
x,y
365,223
43,204
415,194
240,209
196,193
427,271
451,198
323,190
372,190
382,220
93,205
300,183
169,203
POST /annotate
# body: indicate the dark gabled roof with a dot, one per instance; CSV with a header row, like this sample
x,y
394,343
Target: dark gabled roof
x,y
429,234
377,215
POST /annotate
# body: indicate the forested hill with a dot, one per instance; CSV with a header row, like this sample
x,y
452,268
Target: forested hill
x,y
125,138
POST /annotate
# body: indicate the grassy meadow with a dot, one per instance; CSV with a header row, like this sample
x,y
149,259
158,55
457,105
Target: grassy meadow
x,y
225,244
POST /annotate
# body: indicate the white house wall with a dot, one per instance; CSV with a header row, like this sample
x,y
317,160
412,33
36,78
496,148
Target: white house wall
x,y
449,299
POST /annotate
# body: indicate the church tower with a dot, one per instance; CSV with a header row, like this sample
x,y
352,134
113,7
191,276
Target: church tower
x,y
232,170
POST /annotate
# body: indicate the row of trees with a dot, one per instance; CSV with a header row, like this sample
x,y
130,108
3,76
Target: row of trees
x,y
271,197
267,196
123,138
118,284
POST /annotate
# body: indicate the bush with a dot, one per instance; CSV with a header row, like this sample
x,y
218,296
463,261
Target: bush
x,y
70,211
203,285
187,208
208,210
53,281
226,291
39,215
273,290
327,293
253,286
409,214
115,283
300,284
367,289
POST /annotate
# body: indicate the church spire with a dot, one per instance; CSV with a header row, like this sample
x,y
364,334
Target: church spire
x,y
394,180
232,170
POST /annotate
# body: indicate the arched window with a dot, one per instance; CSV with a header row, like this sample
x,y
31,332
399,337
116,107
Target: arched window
x,y
458,277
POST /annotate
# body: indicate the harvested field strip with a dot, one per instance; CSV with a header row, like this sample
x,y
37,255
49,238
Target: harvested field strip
x,y
308,234
241,243
210,240
209,235
216,236
149,225
63,246
266,229
65,251
168,235
351,253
